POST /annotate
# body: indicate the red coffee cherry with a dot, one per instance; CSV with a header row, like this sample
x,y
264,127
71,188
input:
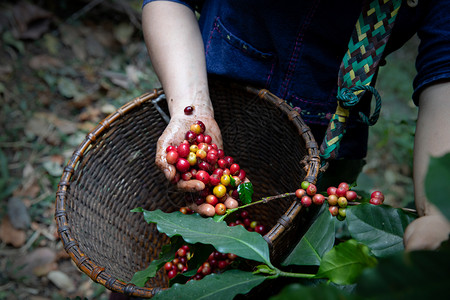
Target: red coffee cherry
x,y
311,189
351,195
306,201
299,193
318,199
188,110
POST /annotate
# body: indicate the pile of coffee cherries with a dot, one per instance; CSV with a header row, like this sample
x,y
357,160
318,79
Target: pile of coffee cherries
x,y
338,198
197,157
217,261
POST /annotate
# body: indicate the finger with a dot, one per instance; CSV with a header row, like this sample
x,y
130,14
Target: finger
x,y
191,185
161,162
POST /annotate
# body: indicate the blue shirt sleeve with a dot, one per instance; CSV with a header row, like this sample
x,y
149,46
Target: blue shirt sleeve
x,y
190,4
433,60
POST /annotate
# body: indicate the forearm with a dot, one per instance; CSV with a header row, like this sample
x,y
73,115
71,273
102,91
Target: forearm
x,y
176,50
432,138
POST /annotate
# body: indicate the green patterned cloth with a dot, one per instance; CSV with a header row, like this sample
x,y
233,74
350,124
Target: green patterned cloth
x,y
360,62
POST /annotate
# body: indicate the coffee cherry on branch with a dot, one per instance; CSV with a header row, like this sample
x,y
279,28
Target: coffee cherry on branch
x,y
311,190
342,212
304,185
318,199
332,200
344,185
334,210
378,195
351,195
340,191
331,190
299,193
375,201
342,202
306,201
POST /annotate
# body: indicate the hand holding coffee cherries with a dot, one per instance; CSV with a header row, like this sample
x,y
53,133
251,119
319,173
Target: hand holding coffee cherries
x,y
173,135
200,163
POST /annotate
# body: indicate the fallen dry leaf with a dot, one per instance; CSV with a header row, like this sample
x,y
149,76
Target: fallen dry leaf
x,y
62,281
38,262
31,21
44,61
11,235
65,126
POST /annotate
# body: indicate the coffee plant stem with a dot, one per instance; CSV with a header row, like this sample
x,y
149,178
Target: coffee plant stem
x,y
295,275
261,201
268,199
275,273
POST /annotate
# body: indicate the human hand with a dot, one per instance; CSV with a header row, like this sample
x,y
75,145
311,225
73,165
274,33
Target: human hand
x,y
208,210
173,135
426,233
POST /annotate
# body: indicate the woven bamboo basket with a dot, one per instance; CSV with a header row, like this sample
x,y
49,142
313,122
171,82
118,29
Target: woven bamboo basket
x,y
113,171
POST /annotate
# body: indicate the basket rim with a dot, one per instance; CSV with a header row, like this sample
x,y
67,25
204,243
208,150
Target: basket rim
x,y
97,273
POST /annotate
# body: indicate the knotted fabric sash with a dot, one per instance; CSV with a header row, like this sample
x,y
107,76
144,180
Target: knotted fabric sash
x,y
360,62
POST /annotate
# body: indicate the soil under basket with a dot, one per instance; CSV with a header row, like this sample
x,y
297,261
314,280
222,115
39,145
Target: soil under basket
x,y
113,171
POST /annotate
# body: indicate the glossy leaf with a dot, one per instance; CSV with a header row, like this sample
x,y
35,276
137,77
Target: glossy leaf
x,y
315,243
345,262
196,229
437,183
380,227
321,291
408,275
245,191
216,286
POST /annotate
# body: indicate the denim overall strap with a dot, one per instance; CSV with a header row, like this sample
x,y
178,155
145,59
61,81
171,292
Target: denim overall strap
x,y
360,62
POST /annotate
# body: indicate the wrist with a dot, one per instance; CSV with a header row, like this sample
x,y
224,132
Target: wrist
x,y
201,108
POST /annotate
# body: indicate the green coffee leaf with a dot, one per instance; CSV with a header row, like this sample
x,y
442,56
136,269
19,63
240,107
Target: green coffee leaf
x,y
215,286
232,181
245,191
380,227
408,275
345,262
196,229
321,291
318,240
436,183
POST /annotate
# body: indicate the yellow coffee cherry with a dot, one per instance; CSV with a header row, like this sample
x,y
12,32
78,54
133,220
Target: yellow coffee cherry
x,y
196,128
219,190
193,148
201,153
192,158
225,180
